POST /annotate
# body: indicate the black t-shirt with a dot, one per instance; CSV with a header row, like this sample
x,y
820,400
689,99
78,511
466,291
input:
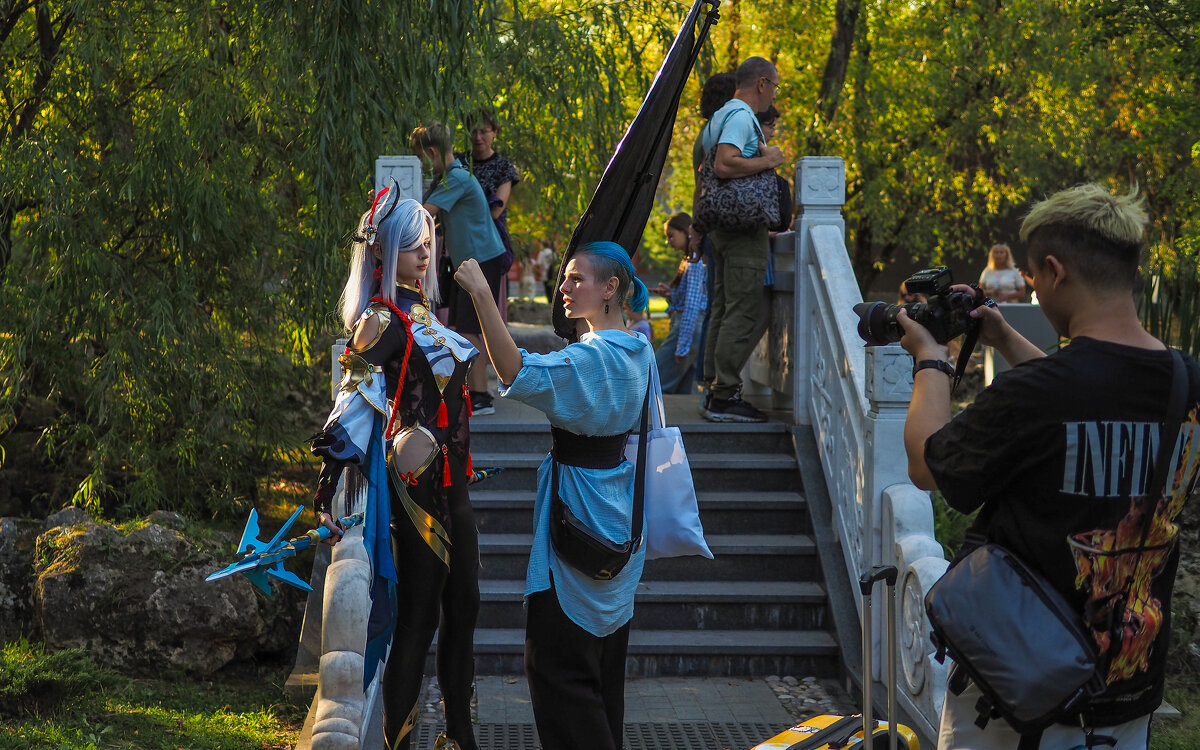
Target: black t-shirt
x,y
1054,450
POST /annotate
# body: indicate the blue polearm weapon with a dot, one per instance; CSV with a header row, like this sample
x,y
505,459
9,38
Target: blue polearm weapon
x,y
261,561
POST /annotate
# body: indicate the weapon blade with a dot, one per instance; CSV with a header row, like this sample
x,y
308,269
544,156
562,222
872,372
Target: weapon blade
x,y
250,540
240,566
258,577
282,574
283,529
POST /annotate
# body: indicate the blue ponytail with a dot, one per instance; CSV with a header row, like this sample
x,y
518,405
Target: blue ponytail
x,y
639,295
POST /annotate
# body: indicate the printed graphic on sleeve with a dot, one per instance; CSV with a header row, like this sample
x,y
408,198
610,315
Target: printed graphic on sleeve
x,y
1114,566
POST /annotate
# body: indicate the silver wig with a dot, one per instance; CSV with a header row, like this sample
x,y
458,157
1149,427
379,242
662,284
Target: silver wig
x,y
404,229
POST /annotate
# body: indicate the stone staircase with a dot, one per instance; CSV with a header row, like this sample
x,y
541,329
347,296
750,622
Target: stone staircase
x,y
759,608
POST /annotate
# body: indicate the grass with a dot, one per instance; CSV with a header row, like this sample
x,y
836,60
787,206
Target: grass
x,y
64,700
1182,733
86,707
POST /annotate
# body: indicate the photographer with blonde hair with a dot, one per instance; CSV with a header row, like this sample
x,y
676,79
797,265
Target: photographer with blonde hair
x,y
1057,455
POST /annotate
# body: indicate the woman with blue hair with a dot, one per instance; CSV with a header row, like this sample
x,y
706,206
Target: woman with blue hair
x,y
400,424
593,392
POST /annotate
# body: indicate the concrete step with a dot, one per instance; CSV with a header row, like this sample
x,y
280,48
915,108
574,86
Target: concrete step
x,y
675,653
684,653
511,511
704,437
738,557
672,605
711,471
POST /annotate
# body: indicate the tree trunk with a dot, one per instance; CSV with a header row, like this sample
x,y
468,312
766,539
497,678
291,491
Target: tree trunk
x,y
6,221
841,45
731,11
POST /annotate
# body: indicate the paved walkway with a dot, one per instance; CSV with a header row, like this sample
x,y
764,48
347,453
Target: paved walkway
x,y
661,713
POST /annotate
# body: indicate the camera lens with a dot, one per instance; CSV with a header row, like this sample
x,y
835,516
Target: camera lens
x,y
877,323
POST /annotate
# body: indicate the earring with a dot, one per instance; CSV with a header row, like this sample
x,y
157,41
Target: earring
x,y
606,308
379,270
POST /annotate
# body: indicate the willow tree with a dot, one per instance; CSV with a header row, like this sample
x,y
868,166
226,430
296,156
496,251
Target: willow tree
x,y
175,185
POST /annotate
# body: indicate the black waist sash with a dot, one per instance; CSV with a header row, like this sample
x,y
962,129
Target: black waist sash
x,y
588,451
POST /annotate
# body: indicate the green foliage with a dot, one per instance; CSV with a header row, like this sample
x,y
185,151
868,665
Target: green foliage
x,y
1181,733
949,526
35,683
1170,308
175,182
953,117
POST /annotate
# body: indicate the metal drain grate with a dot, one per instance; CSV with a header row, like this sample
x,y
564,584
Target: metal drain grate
x,y
697,736
658,736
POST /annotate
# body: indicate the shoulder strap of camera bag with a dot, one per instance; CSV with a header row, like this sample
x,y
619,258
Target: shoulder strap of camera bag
x,y
1170,434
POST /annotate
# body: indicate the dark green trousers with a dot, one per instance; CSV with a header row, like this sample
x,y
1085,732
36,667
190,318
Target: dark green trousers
x,y
739,266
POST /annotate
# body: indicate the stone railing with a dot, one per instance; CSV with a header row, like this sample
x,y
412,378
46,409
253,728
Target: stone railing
x,y
855,399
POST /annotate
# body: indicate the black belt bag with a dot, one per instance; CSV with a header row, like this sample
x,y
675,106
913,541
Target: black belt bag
x,y
575,543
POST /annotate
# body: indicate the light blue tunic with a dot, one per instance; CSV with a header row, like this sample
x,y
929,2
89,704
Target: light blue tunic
x,y
593,387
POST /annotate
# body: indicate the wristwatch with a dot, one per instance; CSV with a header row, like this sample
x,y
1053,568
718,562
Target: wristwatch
x,y
933,364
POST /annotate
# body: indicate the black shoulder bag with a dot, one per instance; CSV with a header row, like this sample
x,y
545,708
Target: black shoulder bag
x,y
581,547
1015,636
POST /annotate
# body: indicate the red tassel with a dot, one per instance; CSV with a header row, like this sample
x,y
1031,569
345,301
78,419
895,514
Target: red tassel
x,y
445,467
467,399
442,419
470,468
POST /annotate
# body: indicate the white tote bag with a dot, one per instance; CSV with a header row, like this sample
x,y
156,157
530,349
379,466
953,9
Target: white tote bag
x,y
672,527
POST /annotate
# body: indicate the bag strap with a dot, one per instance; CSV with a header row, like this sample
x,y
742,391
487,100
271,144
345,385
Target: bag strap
x,y
639,476
724,122
1167,439
1158,480
658,415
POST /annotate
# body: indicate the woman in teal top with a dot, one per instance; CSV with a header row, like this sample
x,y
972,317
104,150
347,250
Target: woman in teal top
x,y
577,628
458,202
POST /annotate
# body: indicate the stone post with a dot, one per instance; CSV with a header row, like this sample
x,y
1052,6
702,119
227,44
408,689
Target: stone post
x,y
885,463
820,191
406,170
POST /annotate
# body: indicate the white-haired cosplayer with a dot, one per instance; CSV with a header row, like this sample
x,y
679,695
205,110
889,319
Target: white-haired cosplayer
x,y
401,422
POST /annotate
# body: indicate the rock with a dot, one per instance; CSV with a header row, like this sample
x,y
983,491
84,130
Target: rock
x,y
168,519
69,516
538,339
527,311
139,601
17,539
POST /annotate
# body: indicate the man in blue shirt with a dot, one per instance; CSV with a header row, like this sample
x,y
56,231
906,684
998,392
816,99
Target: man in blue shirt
x,y
458,201
740,257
